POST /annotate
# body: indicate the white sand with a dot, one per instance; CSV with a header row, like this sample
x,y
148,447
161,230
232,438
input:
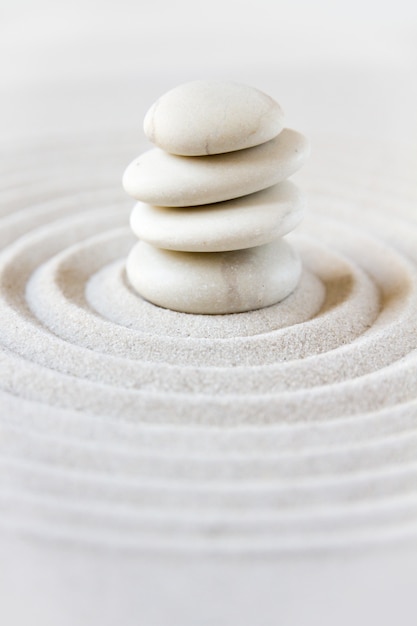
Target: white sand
x,y
276,432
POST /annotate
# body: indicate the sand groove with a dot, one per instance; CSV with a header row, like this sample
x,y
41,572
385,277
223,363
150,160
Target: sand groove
x,y
286,429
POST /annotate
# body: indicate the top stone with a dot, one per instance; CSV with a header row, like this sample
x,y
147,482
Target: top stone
x,y
212,117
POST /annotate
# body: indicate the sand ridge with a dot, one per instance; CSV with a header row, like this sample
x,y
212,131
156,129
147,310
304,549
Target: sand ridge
x,y
281,430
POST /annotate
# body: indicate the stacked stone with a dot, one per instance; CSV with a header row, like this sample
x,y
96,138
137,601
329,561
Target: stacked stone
x,y
214,202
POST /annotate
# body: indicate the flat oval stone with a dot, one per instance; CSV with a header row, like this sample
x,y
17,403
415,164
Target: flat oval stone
x,y
212,117
214,282
163,179
232,225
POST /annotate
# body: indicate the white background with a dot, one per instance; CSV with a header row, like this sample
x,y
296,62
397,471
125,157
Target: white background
x,y
91,65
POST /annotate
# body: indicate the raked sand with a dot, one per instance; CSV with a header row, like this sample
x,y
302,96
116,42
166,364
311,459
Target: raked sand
x,y
285,431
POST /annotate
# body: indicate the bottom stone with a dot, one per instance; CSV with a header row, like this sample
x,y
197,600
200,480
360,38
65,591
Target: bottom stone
x,y
214,282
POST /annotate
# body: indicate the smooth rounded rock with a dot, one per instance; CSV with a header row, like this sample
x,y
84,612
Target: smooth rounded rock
x,y
212,117
214,282
232,225
163,179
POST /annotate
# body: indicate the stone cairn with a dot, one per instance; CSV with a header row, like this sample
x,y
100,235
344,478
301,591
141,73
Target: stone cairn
x,y
214,202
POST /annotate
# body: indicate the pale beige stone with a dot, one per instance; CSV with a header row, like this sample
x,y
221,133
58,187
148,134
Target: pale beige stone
x,y
163,179
214,282
232,225
212,117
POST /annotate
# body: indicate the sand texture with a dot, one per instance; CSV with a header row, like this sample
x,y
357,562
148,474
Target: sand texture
x,y
285,431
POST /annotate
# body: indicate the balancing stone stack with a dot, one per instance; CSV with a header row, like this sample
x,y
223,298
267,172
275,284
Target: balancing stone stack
x,y
213,202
